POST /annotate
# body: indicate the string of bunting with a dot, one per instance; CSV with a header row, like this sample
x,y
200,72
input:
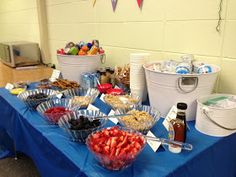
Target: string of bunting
x,y
114,3
140,2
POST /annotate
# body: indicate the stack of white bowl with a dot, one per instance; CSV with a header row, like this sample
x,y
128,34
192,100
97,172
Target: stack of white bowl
x,y
137,74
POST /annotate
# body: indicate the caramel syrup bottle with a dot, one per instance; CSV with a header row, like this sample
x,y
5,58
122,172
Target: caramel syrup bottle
x,y
177,127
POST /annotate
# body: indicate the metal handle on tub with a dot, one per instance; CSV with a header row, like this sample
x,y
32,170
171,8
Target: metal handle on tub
x,y
187,79
214,122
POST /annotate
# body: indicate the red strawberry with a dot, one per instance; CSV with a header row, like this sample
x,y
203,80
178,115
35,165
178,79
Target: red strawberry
x,y
123,143
113,151
137,145
106,149
122,153
121,138
96,148
127,148
96,135
115,132
117,151
113,141
108,142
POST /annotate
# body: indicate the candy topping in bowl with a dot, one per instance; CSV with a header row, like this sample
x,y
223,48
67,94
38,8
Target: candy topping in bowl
x,y
141,118
53,110
81,123
82,97
121,101
33,98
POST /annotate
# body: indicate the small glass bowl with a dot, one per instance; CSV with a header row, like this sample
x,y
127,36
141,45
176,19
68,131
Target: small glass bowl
x,y
19,87
33,103
60,104
125,102
82,134
81,96
118,162
139,123
21,84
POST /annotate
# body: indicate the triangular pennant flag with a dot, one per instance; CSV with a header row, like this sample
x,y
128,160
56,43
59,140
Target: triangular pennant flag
x,y
94,2
114,3
140,3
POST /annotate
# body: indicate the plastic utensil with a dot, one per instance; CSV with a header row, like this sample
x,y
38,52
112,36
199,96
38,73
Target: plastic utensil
x,y
164,141
107,117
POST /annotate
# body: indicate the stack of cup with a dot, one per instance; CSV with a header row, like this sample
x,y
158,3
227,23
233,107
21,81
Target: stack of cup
x,y
137,74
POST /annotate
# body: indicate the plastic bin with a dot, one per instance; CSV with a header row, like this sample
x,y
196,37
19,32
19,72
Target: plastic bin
x,y
167,89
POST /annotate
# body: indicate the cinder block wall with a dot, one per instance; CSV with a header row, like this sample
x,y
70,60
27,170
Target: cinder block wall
x,y
166,29
18,20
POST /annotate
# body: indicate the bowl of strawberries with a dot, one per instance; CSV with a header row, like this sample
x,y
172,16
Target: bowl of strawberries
x,y
115,148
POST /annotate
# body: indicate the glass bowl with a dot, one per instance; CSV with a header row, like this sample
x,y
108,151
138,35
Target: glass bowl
x,y
124,102
116,148
53,110
78,127
81,96
64,84
142,118
19,87
45,84
27,96
21,84
17,91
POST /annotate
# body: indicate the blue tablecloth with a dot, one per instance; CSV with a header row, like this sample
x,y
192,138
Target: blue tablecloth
x,y
56,156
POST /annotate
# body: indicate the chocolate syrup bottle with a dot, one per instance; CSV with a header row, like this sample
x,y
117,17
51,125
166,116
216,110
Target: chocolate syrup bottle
x,y
178,127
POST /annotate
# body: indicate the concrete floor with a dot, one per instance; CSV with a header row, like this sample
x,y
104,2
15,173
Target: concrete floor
x,y
22,167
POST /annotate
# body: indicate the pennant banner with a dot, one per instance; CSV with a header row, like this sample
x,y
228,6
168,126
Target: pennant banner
x,y
114,3
140,3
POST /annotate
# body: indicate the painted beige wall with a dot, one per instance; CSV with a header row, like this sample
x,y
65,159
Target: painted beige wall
x,y
166,29
18,20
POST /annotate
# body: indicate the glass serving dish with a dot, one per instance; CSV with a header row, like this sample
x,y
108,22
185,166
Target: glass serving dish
x,y
19,87
81,96
142,118
115,148
21,84
64,84
17,91
45,84
53,110
124,102
33,98
80,124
